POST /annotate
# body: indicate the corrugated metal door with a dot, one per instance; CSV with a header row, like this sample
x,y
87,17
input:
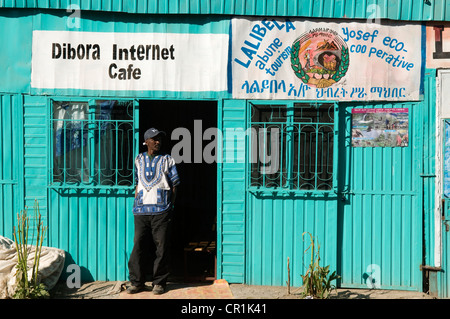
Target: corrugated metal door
x,y
380,221
11,152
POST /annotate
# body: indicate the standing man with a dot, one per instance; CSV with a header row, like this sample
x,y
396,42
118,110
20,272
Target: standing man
x,y
156,180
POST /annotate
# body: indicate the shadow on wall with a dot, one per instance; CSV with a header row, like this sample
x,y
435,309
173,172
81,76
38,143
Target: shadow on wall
x,y
74,274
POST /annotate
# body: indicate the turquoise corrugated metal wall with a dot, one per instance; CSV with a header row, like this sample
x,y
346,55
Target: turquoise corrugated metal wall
x,y
35,142
374,231
429,169
11,159
95,228
275,228
232,197
381,223
70,222
417,10
24,158
17,54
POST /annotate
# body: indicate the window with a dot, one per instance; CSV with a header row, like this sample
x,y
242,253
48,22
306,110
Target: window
x,y
292,146
93,143
268,134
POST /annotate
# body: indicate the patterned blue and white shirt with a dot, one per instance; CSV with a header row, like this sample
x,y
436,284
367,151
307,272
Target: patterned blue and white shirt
x,y
154,177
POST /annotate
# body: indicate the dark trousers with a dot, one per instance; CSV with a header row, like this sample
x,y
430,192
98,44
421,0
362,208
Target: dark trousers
x,y
149,229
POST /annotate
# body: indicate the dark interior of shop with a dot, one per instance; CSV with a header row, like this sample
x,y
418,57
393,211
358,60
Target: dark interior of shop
x,y
194,223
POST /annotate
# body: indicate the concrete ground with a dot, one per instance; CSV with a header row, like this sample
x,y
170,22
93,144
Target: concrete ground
x,y
219,289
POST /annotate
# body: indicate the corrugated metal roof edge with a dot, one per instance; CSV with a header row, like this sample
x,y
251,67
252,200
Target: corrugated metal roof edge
x,y
428,11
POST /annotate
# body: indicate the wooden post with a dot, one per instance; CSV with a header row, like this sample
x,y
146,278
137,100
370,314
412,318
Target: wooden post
x,y
289,277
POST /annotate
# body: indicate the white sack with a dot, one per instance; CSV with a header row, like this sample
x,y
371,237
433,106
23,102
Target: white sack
x,y
51,265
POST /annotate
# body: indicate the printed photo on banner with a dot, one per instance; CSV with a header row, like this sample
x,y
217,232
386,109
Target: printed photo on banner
x,y
305,59
380,127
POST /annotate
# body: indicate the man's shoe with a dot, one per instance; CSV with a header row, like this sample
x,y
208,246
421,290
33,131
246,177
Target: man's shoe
x,y
158,289
136,289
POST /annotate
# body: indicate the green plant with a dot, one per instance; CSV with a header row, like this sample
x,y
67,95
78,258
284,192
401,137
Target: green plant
x,y
317,281
28,288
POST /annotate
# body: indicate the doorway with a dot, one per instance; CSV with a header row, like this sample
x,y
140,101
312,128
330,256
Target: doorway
x,y
194,223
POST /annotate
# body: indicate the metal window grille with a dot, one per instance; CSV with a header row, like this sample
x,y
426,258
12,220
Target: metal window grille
x,y
268,145
93,143
313,147
292,146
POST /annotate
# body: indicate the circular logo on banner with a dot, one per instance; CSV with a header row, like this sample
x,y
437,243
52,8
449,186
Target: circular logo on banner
x,y
320,57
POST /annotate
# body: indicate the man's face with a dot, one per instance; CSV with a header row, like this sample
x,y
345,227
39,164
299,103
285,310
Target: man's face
x,y
154,143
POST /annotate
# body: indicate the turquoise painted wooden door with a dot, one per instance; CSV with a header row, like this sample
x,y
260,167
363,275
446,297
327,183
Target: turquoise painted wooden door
x,y
379,222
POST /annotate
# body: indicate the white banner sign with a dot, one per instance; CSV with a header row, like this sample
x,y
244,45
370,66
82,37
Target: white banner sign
x,y
284,59
129,61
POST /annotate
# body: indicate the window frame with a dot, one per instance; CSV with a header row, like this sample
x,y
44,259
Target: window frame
x,y
289,164
91,101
